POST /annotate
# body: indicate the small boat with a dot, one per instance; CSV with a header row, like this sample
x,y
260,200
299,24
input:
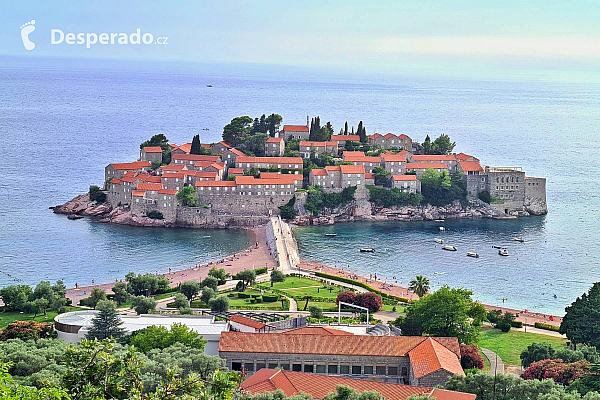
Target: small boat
x,y
208,85
438,240
74,216
367,250
439,220
448,247
472,254
442,228
497,247
330,234
503,252
519,239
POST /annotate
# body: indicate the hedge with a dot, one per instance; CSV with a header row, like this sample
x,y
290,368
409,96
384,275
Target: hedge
x,y
270,298
516,324
548,327
361,284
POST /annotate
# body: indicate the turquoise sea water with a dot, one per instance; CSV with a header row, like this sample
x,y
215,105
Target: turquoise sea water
x,y
63,120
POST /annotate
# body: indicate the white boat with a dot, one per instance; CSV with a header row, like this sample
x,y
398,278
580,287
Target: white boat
x,y
519,239
442,228
438,240
448,247
367,250
439,220
330,234
503,252
472,254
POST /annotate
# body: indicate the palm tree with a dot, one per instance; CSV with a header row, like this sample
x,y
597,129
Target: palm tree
x,y
419,285
307,298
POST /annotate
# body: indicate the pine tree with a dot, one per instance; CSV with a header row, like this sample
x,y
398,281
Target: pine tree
x,y
195,145
327,131
346,128
256,126
107,323
263,123
272,126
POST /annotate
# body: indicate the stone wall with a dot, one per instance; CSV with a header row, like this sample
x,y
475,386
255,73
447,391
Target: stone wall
x,y
535,196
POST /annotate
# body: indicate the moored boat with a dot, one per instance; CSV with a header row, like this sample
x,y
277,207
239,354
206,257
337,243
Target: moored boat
x,y
497,247
472,254
442,228
519,239
439,220
330,234
367,250
438,240
449,248
503,252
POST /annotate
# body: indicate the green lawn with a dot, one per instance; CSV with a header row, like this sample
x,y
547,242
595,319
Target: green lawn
x,y
235,303
486,362
509,345
8,317
291,282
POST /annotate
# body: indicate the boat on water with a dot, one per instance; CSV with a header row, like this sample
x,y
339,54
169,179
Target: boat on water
x,y
472,254
330,234
449,248
438,240
503,252
367,250
208,85
442,228
439,220
519,239
497,247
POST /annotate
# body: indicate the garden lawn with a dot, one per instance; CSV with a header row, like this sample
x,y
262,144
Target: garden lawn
x,y
509,345
235,303
8,317
291,282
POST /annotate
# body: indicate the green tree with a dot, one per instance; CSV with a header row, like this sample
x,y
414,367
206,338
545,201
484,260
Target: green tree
x,y
207,294
236,131
262,124
288,211
277,276
273,121
159,337
442,313
427,145
96,295
315,312
189,289
219,304
211,282
362,133
220,274
180,300
107,323
9,390
443,145
581,322
121,294
147,284
505,322
156,140
247,277
195,149
96,194
143,304
15,297
382,177
188,197
419,285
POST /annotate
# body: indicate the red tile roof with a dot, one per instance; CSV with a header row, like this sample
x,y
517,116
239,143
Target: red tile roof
x,y
355,345
352,138
318,386
347,153
137,193
370,159
470,166
224,143
370,175
375,135
430,356
195,157
237,152
232,171
215,184
405,178
332,168
390,135
167,191
203,164
426,166
434,157
315,330
295,128
131,166
274,140
205,146
247,321
149,186
204,174
153,149
116,181
319,172
463,157
269,160
149,178
218,166
403,136
352,169
186,147
173,175
391,157
283,179
173,167
309,143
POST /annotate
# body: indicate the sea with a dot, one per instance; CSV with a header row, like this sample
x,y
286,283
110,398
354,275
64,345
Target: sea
x,y
64,120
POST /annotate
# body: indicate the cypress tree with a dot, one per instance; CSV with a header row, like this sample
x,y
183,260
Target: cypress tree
x,y
362,132
346,128
107,323
272,126
255,126
195,145
263,123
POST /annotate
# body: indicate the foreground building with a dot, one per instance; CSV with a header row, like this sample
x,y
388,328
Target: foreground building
x,y
413,360
319,386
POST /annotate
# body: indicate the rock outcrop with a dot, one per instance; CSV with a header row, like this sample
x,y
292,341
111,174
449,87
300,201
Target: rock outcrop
x,y
82,205
535,206
123,216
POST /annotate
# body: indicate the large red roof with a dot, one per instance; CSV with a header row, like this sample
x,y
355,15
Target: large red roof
x,y
247,321
470,166
295,128
195,157
274,140
153,149
426,166
131,165
269,160
430,356
353,138
352,169
405,177
315,330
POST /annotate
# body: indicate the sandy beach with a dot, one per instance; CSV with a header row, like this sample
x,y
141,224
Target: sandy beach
x,y
251,258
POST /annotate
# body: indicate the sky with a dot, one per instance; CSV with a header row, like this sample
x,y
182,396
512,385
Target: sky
x,y
507,38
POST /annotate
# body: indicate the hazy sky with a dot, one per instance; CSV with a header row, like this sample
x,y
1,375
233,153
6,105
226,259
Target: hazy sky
x,y
445,37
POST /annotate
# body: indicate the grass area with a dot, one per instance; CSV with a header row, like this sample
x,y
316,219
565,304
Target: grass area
x,y
235,303
509,345
8,317
291,282
157,297
486,362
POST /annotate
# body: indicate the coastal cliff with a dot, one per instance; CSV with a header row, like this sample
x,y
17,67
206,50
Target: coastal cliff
x,y
83,206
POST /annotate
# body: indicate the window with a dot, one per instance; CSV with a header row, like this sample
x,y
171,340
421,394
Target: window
x,y
297,367
380,370
272,365
356,370
309,368
249,366
332,369
368,370
344,369
236,366
392,370
260,365
320,369
285,367
404,371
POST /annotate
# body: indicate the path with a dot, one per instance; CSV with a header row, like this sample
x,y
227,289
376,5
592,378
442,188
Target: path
x,y
496,363
293,304
251,258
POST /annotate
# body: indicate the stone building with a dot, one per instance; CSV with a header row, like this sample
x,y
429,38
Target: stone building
x,y
318,386
183,149
475,176
294,164
406,183
449,160
507,186
413,360
151,153
419,168
117,170
391,141
294,132
274,147
309,147
341,139
394,163
227,152
190,160
337,177
369,162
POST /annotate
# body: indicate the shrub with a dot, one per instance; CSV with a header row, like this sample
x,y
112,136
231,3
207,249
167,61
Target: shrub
x,y
493,316
485,196
96,194
315,311
180,301
562,373
470,358
516,324
243,295
186,311
207,294
505,322
383,197
269,298
363,285
26,330
369,300
536,352
143,305
287,211
211,282
219,304
261,270
346,297
220,274
548,327
154,214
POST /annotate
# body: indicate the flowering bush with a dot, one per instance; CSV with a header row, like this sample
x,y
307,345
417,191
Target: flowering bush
x,y
469,357
26,330
346,297
562,373
369,300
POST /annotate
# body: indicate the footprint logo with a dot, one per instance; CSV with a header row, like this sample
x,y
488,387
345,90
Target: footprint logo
x,y
26,29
